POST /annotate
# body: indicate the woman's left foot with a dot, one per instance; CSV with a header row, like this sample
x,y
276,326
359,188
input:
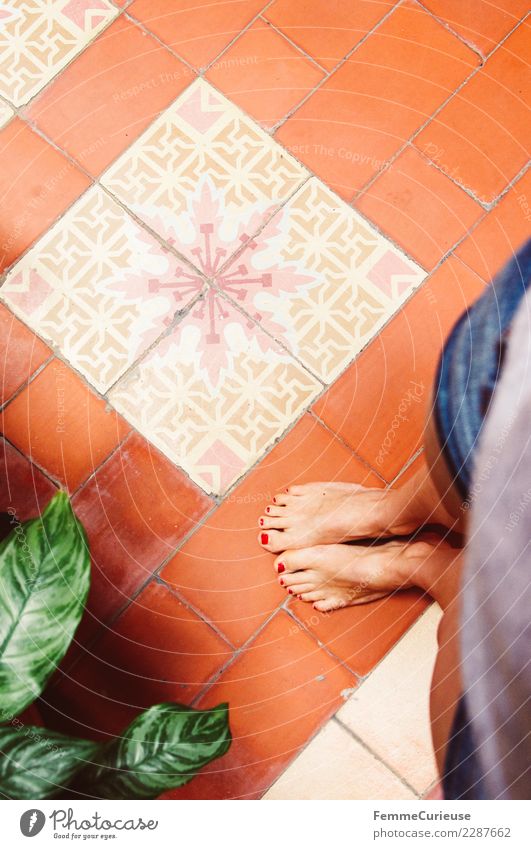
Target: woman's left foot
x,y
335,576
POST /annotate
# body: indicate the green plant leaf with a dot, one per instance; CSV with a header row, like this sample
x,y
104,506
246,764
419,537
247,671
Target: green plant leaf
x,y
37,763
164,747
44,581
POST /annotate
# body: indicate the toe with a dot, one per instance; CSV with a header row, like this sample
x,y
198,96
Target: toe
x,y
267,522
311,595
332,603
275,510
296,579
272,541
281,498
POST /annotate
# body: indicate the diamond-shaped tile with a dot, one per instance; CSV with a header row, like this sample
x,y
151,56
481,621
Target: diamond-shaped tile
x,y
204,176
99,287
38,39
215,393
332,279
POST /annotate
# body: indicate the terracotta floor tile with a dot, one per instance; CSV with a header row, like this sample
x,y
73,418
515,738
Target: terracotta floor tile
x,y
21,354
394,375
327,29
157,651
264,74
37,183
335,766
221,569
481,137
23,488
368,108
37,40
61,425
390,710
198,30
361,635
135,509
109,94
102,294
501,233
419,208
280,690
481,22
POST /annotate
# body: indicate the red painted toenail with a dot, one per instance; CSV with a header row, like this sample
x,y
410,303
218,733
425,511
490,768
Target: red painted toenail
x,y
274,500
261,522
290,592
268,509
281,582
264,539
281,567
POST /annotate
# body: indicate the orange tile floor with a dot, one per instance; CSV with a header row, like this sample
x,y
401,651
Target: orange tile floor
x,y
233,237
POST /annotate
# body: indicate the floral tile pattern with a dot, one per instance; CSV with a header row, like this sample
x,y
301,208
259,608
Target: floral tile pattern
x,y
6,113
333,279
204,164
215,393
97,286
38,38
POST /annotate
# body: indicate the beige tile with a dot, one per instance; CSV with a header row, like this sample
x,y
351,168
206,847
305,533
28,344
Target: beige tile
x,y
390,710
6,113
335,766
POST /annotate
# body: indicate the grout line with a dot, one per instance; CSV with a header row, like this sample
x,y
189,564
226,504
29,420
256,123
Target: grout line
x,y
449,28
346,445
57,484
190,606
244,29
322,646
26,382
367,748
142,26
297,47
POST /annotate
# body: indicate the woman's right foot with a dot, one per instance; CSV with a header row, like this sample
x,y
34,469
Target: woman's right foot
x,y
329,513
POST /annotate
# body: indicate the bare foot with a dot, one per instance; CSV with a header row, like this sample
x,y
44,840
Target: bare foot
x,y
334,576
325,513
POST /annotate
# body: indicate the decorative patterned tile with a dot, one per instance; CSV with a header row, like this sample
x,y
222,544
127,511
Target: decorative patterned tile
x,y
38,39
204,176
6,113
332,280
87,286
215,393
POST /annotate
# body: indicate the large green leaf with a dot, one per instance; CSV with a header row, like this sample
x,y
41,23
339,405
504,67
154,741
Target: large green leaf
x,y
37,763
44,581
164,747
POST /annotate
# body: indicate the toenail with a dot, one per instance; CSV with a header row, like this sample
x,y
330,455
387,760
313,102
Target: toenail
x,y
290,592
264,539
261,522
281,582
274,500
280,566
268,509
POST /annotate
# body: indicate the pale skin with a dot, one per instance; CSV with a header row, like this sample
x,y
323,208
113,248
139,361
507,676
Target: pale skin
x,y
307,528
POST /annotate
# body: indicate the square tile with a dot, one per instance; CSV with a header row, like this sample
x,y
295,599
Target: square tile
x,y
280,690
390,710
362,634
61,425
37,183
23,488
332,280
264,74
215,393
21,354
365,111
499,235
158,650
88,287
335,766
38,39
204,177
481,22
136,509
196,29
379,405
221,569
419,207
327,29
95,116
481,137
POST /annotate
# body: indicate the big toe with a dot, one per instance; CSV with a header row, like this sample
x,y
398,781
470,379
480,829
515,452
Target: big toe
x,y
273,541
